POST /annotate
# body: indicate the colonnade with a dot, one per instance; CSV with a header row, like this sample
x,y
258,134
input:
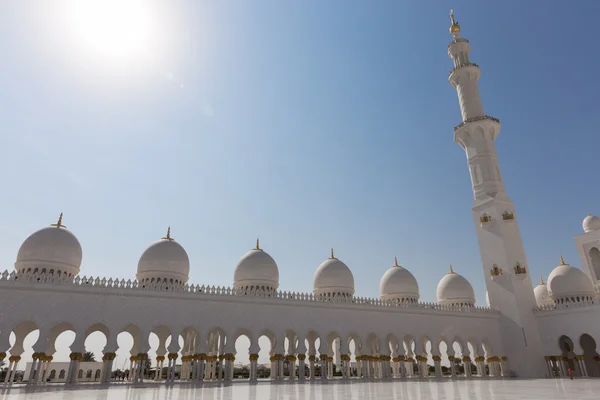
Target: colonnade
x,y
559,365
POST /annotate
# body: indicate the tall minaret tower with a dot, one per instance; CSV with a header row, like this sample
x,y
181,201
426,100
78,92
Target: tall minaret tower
x,y
502,254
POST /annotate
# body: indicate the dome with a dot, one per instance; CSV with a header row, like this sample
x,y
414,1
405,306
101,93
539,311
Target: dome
x,y
332,278
591,223
399,284
454,289
53,249
569,284
541,294
164,261
256,269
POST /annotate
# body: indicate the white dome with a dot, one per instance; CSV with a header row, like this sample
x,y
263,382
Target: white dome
x,y
256,269
164,261
542,298
591,223
332,278
399,284
53,249
567,283
454,289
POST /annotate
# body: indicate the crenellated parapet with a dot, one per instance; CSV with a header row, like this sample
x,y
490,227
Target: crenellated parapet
x,y
80,284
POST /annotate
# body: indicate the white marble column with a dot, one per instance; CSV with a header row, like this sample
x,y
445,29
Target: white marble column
x,y
452,360
301,367
324,362
311,363
504,367
437,363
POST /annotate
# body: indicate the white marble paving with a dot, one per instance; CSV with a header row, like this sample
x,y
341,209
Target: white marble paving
x,y
546,389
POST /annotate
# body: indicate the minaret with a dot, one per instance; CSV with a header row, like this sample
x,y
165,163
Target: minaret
x,y
503,258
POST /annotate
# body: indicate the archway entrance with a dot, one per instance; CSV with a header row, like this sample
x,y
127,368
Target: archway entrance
x,y
590,356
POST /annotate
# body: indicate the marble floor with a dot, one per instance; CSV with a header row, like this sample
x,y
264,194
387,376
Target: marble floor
x,y
547,389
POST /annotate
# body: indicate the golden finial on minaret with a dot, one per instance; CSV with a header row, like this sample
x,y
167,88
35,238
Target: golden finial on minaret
x,y
562,261
168,237
454,28
542,280
59,224
396,262
451,270
257,245
332,256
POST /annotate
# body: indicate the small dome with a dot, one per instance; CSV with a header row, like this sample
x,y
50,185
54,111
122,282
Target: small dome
x,y
591,223
164,261
256,269
53,249
399,284
454,289
541,294
569,284
333,278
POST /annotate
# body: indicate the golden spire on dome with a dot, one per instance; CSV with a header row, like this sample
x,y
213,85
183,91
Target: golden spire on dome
x,y
451,270
396,262
257,245
168,237
542,280
332,257
59,224
455,27
562,261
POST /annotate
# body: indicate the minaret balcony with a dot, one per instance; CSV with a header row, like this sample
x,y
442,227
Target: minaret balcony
x,y
508,216
467,64
474,119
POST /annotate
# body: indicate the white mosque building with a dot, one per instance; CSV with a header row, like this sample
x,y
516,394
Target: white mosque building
x,y
523,331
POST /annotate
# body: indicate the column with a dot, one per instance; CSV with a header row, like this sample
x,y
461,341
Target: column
x,y
311,363
437,363
582,367
301,367
324,367
345,361
34,364
107,362
280,360
329,367
229,357
467,365
253,367
452,360
201,367
292,366
9,369
504,366
401,366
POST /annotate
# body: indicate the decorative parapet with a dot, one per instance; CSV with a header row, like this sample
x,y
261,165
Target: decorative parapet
x,y
474,119
97,283
570,305
467,64
458,40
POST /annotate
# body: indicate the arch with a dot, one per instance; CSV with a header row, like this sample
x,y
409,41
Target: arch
x,y
52,375
590,355
567,347
20,332
61,374
88,374
80,374
57,331
595,261
242,332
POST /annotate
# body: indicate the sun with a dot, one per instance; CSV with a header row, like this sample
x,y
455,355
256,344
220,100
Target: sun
x,y
111,28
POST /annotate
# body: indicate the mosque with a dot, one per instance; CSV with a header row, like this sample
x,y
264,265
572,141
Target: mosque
x,y
522,332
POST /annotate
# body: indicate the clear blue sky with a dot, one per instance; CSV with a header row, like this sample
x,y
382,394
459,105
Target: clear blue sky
x,y
311,124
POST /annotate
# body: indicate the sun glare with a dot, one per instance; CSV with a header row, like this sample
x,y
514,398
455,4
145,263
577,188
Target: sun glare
x,y
112,28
